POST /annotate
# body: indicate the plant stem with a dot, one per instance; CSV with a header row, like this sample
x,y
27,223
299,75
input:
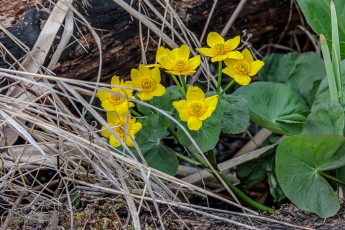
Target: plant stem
x,y
135,112
227,87
220,67
243,197
178,84
331,177
187,159
183,80
212,159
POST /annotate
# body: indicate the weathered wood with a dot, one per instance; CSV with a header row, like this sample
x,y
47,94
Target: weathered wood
x,y
265,19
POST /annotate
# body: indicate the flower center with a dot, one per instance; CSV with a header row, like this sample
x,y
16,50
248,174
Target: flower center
x,y
220,48
196,108
120,128
181,65
147,84
242,67
117,99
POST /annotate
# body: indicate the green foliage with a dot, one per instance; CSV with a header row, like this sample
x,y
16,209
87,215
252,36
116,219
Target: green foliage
x,y
236,114
325,118
275,106
303,72
318,16
207,136
302,163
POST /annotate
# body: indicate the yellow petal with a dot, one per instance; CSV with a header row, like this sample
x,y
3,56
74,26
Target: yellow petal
x,y
161,51
194,123
166,63
135,128
255,67
207,113
102,95
219,57
114,142
107,105
247,55
136,76
129,84
230,62
105,132
158,91
211,101
184,52
112,117
235,55
144,96
229,71
145,72
214,38
122,108
242,79
129,141
194,62
181,107
233,43
194,93
156,75
206,51
115,80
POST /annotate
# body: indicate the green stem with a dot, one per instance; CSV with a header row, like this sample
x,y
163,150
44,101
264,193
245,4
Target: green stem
x,y
135,113
178,84
187,159
183,80
227,87
243,197
220,68
331,177
212,159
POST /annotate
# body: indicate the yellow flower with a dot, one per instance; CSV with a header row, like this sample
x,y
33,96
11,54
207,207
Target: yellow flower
x,y
124,126
177,61
148,81
161,53
196,108
219,49
117,101
242,70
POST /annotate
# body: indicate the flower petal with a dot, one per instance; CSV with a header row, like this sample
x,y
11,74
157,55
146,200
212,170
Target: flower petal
x,y
233,43
115,80
207,113
194,123
235,55
206,51
161,52
112,117
166,63
129,141
105,132
122,108
184,52
211,101
219,57
156,75
135,128
102,95
255,67
158,91
181,107
230,62
145,72
214,38
194,62
229,71
194,93
107,105
242,79
114,142
144,96
247,55
136,76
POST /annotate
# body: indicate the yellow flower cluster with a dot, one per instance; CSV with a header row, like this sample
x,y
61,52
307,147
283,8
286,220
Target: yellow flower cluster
x,y
240,66
196,108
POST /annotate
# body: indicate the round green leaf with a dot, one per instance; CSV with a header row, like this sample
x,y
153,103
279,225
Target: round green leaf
x,y
300,160
275,106
207,136
236,114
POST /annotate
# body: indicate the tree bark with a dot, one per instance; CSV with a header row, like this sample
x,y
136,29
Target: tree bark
x,y
119,33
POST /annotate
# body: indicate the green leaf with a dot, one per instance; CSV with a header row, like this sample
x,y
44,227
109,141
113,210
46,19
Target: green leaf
x,y
318,16
236,114
275,106
300,160
325,118
207,136
300,71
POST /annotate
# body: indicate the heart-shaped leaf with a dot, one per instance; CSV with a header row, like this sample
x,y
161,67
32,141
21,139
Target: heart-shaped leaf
x,y
301,162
